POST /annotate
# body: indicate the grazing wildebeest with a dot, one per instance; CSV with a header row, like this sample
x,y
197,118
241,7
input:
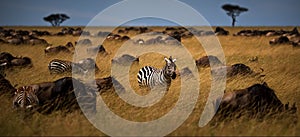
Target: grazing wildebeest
x,y
153,41
206,60
88,64
256,101
23,61
69,45
38,41
7,60
238,68
5,56
103,34
125,59
233,70
221,31
280,40
57,49
113,37
124,38
96,49
84,42
15,41
108,83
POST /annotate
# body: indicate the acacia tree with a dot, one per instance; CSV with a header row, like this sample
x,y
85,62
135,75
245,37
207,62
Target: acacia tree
x,y
233,11
56,19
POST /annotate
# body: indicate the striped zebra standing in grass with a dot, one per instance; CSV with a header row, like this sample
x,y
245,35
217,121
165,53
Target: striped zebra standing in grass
x,y
57,66
25,97
151,77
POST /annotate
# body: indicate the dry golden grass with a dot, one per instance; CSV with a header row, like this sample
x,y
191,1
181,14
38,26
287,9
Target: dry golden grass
x,y
280,64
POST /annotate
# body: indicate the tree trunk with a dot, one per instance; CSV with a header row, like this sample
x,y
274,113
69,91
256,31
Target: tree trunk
x,y
233,21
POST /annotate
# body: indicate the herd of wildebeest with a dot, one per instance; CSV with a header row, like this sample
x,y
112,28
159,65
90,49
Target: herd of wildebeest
x,y
258,100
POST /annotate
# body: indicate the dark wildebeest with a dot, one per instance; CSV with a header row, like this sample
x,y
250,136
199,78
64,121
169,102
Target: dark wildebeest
x,y
239,68
256,101
38,42
7,60
113,37
15,41
23,61
96,49
84,42
5,56
55,50
280,40
88,64
221,31
153,41
69,45
125,38
108,83
206,60
125,59
233,70
103,34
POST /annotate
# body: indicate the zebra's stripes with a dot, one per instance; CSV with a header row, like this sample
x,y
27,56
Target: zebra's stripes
x,y
57,66
25,97
149,76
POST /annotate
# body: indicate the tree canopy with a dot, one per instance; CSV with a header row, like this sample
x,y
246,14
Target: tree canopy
x,y
233,11
56,19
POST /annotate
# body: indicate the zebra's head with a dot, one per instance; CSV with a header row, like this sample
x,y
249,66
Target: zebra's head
x,y
25,98
170,68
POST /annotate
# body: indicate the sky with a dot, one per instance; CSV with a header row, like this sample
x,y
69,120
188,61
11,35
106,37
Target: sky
x,y
261,12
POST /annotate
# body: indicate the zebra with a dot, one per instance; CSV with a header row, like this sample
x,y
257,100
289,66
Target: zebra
x,y
57,66
25,97
152,77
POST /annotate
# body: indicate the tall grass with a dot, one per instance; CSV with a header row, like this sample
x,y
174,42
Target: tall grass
x,y
280,64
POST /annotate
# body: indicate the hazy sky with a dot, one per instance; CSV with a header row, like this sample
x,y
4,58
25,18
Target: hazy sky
x,y
261,12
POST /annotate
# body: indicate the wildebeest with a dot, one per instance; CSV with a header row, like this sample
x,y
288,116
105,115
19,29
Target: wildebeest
x,y
15,41
124,38
113,37
239,68
153,41
125,59
57,49
103,34
108,83
84,42
256,101
96,49
22,61
235,69
206,60
69,45
38,42
8,60
88,64
280,40
221,31
5,56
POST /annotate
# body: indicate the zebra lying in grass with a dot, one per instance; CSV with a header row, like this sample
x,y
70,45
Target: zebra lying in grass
x,y
151,77
25,97
57,66
48,97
